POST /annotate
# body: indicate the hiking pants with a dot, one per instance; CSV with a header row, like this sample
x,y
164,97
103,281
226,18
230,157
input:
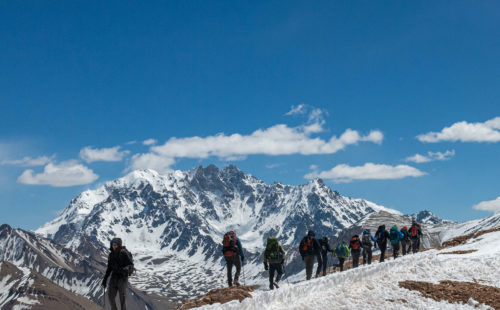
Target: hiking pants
x,y
404,246
341,263
415,244
230,261
367,252
309,260
395,250
324,259
355,258
320,265
382,248
279,270
117,285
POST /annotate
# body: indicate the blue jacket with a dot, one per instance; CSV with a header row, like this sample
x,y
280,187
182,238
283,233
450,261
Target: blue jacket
x,y
366,232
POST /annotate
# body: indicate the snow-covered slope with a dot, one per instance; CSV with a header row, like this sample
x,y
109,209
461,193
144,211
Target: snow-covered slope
x,y
174,223
376,286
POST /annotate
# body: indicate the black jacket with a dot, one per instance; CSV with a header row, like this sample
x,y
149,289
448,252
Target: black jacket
x,y
382,235
119,262
325,247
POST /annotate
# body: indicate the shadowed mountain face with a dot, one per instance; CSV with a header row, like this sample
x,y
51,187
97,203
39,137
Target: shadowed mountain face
x,y
41,273
174,223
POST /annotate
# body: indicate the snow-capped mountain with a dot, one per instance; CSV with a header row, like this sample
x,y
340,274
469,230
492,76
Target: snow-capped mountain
x,y
174,223
427,217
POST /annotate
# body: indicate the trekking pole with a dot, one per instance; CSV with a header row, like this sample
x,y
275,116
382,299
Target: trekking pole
x,y
104,299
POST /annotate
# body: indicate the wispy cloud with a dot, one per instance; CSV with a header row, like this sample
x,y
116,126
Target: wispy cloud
x,y
299,109
149,142
272,166
28,161
466,132
90,154
431,156
65,174
491,205
344,173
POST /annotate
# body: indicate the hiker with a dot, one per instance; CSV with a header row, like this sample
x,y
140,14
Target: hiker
x,y
405,242
341,251
233,252
395,236
275,256
120,266
366,243
308,249
415,233
382,235
325,248
355,247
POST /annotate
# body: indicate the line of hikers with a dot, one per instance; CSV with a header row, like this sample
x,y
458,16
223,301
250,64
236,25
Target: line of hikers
x,y
311,248
120,263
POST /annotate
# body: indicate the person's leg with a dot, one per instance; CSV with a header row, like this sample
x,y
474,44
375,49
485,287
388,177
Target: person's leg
x,y
324,258
320,266
364,255
122,290
414,245
272,268
279,271
403,247
309,260
382,252
341,263
355,259
229,265
237,264
112,290
369,254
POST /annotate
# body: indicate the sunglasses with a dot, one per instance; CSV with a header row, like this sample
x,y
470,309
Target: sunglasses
x,y
114,244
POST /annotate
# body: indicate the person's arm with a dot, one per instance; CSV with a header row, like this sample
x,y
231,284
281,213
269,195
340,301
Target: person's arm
x,y
348,252
401,236
373,238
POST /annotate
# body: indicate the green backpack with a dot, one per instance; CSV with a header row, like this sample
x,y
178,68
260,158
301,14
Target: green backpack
x,y
273,252
340,250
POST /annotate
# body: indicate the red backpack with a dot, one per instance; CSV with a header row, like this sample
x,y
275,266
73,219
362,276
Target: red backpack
x,y
229,244
355,244
307,244
414,231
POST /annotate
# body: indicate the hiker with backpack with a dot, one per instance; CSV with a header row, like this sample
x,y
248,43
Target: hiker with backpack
x,y
341,251
366,243
274,258
308,249
355,247
415,234
382,236
405,242
120,267
233,252
395,237
325,248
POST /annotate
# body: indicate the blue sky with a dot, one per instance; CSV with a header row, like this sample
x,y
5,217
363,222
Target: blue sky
x,y
394,102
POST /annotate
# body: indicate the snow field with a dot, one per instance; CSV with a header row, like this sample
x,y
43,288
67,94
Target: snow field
x,y
374,286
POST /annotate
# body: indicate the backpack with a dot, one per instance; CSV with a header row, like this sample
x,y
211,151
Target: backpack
x,y
340,250
366,240
393,235
355,243
130,268
414,230
306,246
272,251
229,244
405,233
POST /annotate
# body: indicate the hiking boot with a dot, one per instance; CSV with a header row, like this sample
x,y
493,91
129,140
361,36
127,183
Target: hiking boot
x,y
276,284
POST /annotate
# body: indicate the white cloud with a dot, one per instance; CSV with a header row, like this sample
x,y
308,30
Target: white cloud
x,y
90,154
276,140
431,156
272,166
369,171
149,142
131,142
466,132
28,161
491,205
65,174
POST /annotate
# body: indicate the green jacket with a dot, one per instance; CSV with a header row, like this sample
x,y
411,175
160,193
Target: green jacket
x,y
347,252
